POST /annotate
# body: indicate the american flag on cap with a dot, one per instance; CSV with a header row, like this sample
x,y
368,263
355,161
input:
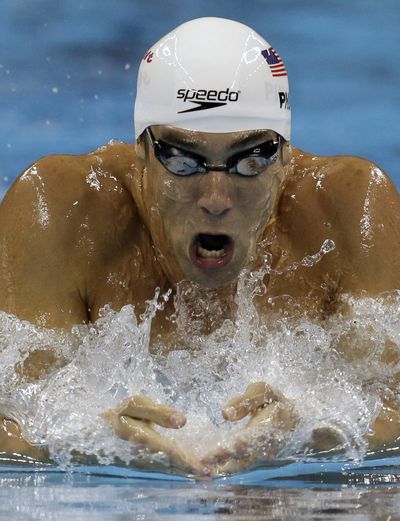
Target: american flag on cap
x,y
275,62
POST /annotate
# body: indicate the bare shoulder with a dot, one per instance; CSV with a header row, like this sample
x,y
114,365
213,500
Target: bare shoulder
x,y
63,217
63,176
339,188
351,201
61,193
339,174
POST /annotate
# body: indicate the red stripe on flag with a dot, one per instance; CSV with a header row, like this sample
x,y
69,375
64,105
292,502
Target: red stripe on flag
x,y
284,74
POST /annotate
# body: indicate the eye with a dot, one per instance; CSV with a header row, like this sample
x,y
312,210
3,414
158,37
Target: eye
x,y
252,165
169,150
254,161
181,165
173,151
179,162
267,149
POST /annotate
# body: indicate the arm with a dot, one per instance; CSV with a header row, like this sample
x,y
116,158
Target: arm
x,y
372,243
134,420
56,233
13,444
40,278
355,204
386,428
33,280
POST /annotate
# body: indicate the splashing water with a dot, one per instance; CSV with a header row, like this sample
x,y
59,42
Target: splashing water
x,y
110,360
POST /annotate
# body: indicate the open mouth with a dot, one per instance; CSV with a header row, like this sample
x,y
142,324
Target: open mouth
x,y
211,250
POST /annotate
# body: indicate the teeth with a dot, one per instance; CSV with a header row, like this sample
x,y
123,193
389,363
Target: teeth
x,y
210,254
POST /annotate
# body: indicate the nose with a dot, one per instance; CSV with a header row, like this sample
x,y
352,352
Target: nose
x,y
216,193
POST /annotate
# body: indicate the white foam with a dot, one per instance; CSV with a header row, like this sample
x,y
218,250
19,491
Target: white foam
x,y
110,360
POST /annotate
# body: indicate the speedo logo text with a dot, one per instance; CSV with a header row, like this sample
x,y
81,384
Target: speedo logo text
x,y
207,99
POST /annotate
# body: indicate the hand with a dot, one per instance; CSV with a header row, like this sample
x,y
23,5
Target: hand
x,y
271,415
12,443
133,420
325,441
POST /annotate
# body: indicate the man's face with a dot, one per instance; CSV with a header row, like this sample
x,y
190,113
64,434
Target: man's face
x,y
205,225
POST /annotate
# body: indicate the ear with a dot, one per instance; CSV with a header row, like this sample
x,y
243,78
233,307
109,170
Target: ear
x,y
140,149
286,153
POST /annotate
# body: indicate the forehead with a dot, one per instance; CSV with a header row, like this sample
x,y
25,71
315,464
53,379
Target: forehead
x,y
211,141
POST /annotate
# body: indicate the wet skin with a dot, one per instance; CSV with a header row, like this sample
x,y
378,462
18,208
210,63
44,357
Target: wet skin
x,y
80,232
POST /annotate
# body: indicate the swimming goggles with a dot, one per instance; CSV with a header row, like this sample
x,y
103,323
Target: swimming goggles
x,y
248,163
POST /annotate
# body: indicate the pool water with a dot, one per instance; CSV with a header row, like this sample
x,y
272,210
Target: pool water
x,y
366,494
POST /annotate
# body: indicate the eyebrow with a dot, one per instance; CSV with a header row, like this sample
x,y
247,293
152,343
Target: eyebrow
x,y
242,143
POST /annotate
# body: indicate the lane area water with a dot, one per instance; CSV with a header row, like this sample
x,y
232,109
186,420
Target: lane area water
x,y
91,496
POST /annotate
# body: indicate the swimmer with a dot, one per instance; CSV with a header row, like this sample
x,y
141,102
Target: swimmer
x,y
211,186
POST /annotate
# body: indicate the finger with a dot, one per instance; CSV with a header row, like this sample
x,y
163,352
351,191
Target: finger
x,y
217,456
142,434
279,415
143,408
225,460
248,452
247,448
256,395
239,447
233,466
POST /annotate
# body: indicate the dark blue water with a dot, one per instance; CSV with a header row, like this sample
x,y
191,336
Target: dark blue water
x,y
68,71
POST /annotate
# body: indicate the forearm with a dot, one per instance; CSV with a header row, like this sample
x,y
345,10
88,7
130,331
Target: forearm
x,y
12,442
385,432
386,428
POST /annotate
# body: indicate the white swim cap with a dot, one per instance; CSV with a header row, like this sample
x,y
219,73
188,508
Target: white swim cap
x,y
213,75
